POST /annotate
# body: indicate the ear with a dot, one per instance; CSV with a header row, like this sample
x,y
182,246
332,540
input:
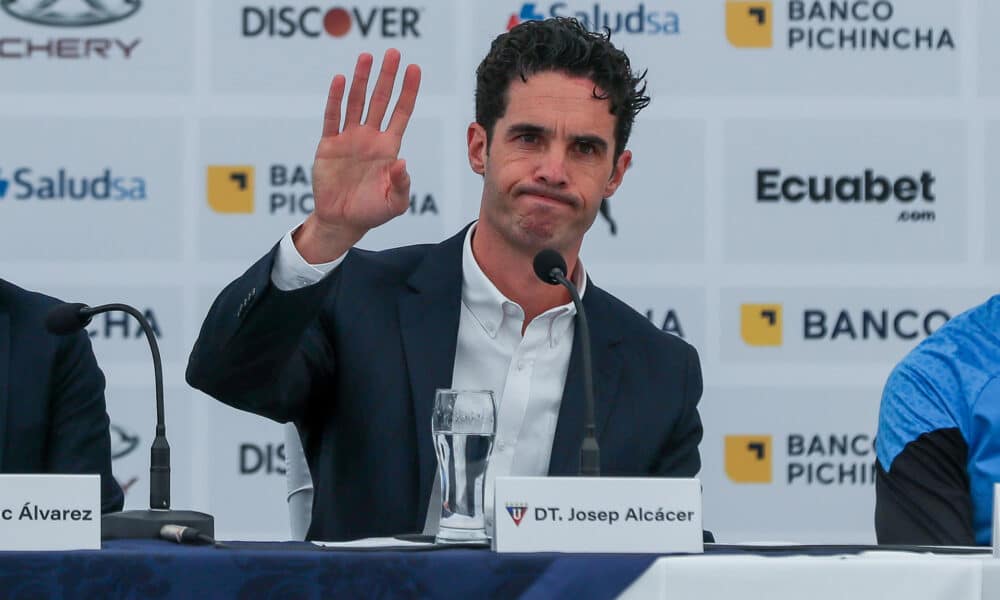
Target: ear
x,y
618,173
478,146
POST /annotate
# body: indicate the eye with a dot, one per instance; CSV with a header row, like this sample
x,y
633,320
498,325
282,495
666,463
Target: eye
x,y
527,138
586,148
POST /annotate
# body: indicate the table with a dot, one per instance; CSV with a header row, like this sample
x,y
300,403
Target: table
x,y
820,575
160,569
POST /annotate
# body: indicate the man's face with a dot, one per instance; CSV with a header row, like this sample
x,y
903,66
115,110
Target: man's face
x,y
549,164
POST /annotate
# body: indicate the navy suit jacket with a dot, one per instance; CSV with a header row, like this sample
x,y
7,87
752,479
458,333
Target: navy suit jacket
x,y
355,359
52,413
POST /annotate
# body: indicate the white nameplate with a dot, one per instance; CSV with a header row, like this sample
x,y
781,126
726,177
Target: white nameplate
x,y
597,514
996,520
50,512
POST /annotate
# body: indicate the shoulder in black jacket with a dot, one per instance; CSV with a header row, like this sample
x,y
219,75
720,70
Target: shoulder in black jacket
x,y
53,417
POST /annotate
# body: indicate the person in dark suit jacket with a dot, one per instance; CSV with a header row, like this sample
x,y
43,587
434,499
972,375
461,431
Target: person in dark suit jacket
x,y
350,345
52,412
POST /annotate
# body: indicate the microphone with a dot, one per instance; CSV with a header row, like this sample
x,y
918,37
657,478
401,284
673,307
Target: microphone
x,y
184,535
550,267
68,318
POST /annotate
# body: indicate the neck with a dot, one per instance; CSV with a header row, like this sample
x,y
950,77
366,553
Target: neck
x,y
511,271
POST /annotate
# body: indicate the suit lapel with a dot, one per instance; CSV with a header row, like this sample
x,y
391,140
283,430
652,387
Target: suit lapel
x,y
604,342
429,317
5,358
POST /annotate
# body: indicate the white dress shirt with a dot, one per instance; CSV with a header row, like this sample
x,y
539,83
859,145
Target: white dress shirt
x,y
526,373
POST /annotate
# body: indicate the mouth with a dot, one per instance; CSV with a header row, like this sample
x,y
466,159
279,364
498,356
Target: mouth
x,y
548,197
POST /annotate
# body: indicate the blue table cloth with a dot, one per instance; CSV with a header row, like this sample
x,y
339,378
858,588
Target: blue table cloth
x,y
159,569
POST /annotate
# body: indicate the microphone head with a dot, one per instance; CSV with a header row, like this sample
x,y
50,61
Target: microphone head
x,y
67,318
546,262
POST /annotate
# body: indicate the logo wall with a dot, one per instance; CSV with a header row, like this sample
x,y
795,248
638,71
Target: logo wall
x,y
748,458
230,189
245,463
662,197
123,444
820,459
992,177
867,188
63,183
318,21
868,327
847,26
679,311
762,324
750,24
68,15
638,19
850,191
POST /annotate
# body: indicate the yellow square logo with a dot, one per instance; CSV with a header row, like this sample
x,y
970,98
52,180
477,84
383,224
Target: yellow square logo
x,y
229,188
750,24
748,458
760,324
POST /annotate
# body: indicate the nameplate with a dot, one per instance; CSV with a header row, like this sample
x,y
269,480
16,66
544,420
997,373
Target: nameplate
x,y
50,512
597,514
996,520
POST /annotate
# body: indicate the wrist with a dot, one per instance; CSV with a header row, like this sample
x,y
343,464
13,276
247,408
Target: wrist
x,y
319,242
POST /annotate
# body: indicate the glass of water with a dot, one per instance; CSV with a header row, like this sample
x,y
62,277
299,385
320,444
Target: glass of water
x,y
463,426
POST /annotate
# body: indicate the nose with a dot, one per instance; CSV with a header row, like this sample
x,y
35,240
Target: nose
x,y
552,168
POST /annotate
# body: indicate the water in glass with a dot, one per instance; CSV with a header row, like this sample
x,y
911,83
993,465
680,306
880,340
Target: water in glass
x,y
463,427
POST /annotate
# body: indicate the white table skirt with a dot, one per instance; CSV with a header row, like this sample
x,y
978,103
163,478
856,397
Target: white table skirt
x,y
874,575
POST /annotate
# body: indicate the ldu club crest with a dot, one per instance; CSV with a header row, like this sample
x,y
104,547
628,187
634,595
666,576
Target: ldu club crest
x,y
517,512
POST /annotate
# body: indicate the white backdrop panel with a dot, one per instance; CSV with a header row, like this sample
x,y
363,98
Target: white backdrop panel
x,y
151,51
846,192
324,38
216,121
105,189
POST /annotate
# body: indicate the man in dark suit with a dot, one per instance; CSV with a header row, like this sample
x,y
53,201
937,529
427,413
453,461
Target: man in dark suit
x,y
52,413
351,345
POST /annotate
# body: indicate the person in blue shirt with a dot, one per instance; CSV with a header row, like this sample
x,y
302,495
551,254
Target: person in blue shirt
x,y
938,441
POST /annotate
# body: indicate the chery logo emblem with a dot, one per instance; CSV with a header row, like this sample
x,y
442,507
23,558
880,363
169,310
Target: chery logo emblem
x,y
70,13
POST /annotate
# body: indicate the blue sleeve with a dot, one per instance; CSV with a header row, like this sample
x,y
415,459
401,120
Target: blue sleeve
x,y
922,492
922,395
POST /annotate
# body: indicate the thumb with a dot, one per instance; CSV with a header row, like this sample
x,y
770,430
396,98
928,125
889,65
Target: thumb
x,y
399,185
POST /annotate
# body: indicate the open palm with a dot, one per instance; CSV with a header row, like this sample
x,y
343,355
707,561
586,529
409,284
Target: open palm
x,y
359,182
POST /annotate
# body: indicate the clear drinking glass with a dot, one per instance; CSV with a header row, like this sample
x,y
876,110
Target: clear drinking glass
x,y
463,425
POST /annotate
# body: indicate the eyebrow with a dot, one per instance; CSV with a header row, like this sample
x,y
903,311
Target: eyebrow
x,y
523,128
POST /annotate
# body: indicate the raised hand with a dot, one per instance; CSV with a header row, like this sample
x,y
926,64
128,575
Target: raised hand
x,y
358,180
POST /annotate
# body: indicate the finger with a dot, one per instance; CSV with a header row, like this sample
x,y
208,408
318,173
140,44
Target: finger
x,y
331,116
383,88
407,100
359,86
399,186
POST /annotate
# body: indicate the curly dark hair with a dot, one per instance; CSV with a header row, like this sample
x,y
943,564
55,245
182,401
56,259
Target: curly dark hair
x,y
559,44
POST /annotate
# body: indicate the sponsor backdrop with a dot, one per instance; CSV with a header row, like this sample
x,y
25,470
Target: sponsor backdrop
x,y
810,197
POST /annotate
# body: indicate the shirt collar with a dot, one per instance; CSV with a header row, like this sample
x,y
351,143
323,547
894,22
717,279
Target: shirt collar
x,y
490,307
